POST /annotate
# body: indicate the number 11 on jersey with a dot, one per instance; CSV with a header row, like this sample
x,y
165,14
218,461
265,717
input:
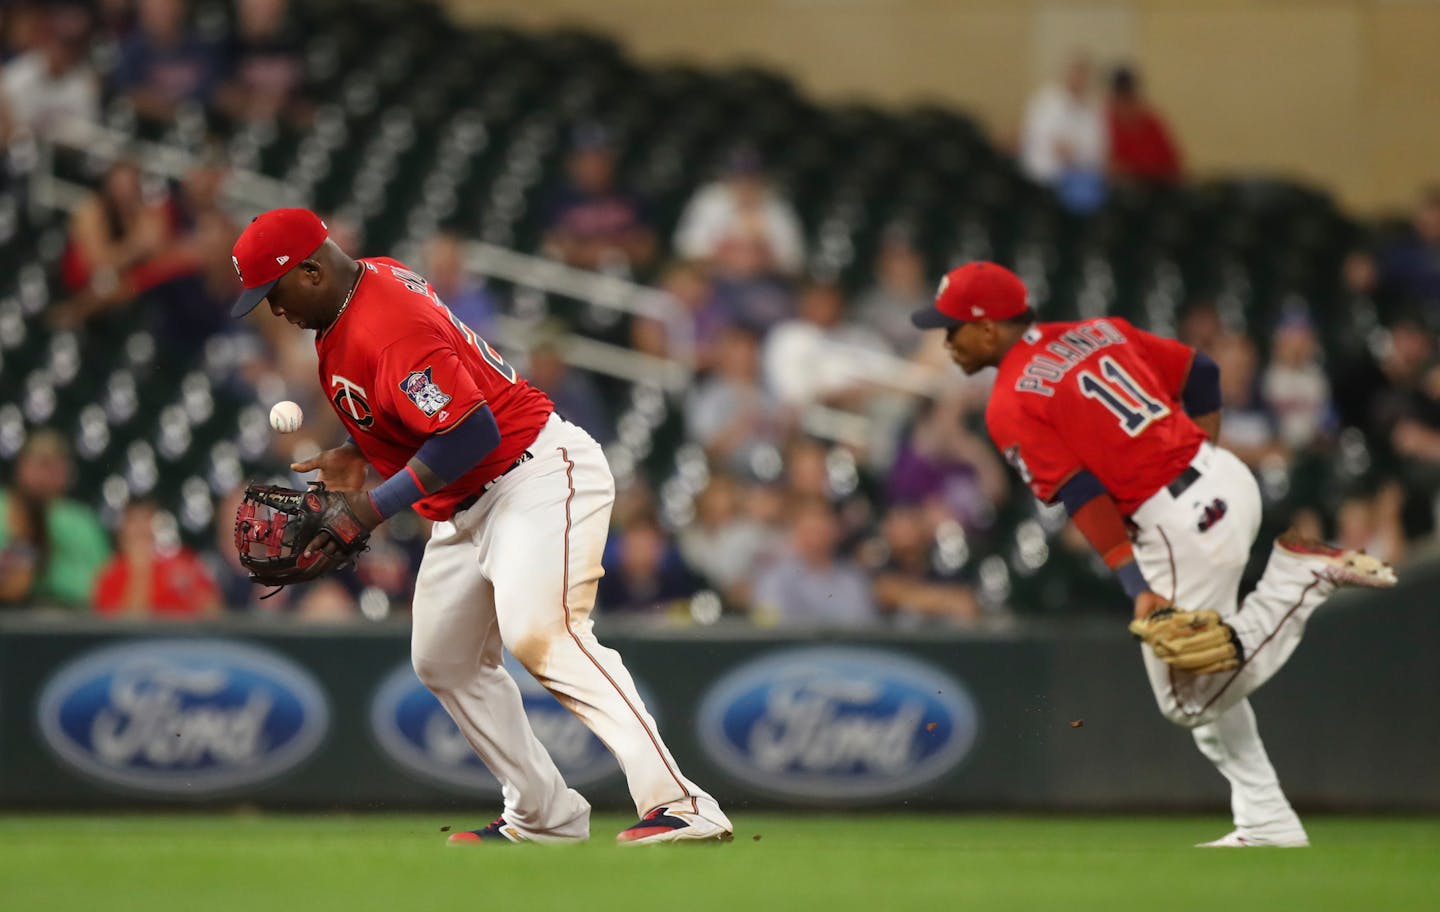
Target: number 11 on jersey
x,y
1135,408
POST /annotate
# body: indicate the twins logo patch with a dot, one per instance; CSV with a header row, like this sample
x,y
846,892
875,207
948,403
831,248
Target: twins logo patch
x,y
1212,514
421,389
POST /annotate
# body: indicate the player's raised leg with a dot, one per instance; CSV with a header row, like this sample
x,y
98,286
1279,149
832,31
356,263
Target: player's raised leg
x,y
547,534
456,650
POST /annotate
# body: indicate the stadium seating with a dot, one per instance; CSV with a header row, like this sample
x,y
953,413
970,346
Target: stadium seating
x,y
407,140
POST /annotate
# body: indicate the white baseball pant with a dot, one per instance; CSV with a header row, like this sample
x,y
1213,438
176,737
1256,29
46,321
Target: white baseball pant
x,y
519,569
1197,560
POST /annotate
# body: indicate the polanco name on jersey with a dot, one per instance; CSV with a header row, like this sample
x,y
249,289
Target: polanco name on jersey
x,y
415,732
837,724
182,717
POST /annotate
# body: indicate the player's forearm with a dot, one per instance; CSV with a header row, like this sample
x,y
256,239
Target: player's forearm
x,y
1098,518
441,459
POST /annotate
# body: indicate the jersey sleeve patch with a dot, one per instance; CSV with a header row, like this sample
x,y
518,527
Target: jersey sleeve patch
x,y
422,390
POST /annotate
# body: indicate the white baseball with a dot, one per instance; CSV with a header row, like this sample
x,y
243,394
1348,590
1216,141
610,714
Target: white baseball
x,y
285,417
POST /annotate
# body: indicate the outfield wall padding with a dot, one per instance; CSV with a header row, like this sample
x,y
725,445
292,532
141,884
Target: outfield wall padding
x,y
1045,716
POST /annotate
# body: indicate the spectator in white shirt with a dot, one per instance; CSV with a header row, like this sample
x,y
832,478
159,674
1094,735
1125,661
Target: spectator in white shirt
x,y
1294,386
1064,142
741,225
45,90
819,356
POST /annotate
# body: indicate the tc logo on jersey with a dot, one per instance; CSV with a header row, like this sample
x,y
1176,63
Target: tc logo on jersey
x,y
349,399
421,390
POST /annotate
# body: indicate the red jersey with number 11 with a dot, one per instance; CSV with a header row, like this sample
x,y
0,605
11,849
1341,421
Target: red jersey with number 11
x,y
1098,395
399,368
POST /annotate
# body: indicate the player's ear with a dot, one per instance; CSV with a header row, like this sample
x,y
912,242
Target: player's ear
x,y
312,270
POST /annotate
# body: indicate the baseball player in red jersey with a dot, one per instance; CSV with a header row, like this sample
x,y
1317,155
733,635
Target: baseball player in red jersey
x,y
1119,426
521,501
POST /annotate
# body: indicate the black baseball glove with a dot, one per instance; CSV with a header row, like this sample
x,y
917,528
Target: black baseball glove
x,y
275,527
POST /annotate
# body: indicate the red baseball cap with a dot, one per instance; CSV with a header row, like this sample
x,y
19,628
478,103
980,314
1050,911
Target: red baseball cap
x,y
975,291
274,243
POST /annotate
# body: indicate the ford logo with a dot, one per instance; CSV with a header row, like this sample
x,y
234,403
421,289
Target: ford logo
x,y
837,724
413,729
182,717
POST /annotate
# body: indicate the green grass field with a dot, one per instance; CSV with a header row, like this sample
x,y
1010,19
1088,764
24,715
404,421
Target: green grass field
x,y
383,862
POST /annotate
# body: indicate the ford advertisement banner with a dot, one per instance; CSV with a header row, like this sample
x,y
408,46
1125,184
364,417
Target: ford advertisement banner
x,y
182,718
837,725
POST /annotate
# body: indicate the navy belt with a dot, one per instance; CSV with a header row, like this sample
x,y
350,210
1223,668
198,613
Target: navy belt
x,y
473,499
1182,481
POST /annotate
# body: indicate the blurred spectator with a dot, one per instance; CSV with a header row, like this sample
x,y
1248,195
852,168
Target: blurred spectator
x,y
1386,396
813,470
741,225
1412,404
346,232
729,412
264,72
22,26
164,63
698,335
46,90
149,577
901,288
50,547
590,222
1063,141
818,357
1201,327
725,545
1141,147
465,295
946,470
907,579
1247,429
1294,388
811,585
194,306
114,21
121,243
756,302
644,571
1406,272
575,395
1372,522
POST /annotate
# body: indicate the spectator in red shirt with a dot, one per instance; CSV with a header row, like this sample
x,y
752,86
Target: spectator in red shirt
x,y
147,578
1141,147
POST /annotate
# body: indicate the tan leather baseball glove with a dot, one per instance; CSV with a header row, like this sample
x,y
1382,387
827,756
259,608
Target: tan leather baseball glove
x,y
1194,641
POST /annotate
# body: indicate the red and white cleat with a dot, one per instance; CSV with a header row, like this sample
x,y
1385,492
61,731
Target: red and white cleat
x,y
1341,566
498,831
680,823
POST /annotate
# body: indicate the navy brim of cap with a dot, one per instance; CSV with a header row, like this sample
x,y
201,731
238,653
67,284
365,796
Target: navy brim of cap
x,y
249,298
930,318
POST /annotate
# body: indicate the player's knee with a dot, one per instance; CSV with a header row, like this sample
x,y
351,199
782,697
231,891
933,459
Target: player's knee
x,y
531,640
440,675
1179,716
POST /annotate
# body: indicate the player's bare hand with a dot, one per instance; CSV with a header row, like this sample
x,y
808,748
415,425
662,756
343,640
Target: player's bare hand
x,y
342,469
1148,602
